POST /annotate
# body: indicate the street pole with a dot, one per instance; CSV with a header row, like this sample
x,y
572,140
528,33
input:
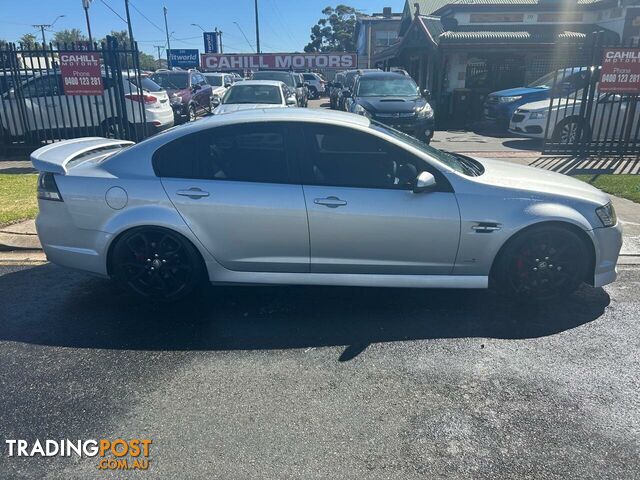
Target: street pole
x,y
85,5
257,28
220,42
159,47
166,29
126,8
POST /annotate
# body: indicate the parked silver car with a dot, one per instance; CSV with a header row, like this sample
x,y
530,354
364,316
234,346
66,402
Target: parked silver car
x,y
297,196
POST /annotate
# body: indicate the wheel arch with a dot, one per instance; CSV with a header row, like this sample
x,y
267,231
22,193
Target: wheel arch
x,y
116,238
582,234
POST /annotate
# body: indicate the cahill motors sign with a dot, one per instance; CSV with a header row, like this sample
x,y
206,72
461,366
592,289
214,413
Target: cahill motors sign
x,y
278,61
620,70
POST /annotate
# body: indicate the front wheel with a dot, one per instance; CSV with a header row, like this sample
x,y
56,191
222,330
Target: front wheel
x,y
192,113
570,132
542,263
155,262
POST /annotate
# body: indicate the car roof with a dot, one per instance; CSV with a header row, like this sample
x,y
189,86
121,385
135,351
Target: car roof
x,y
259,115
375,74
286,72
214,74
274,83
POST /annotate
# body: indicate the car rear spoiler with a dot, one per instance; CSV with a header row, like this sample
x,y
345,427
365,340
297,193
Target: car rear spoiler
x,y
55,158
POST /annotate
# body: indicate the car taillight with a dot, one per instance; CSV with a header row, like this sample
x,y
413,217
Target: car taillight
x,y
47,187
134,97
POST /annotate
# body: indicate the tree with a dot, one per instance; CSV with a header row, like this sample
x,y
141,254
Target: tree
x,y
69,36
335,32
28,40
147,62
122,37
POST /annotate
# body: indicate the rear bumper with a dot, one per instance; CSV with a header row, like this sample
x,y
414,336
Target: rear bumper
x,y
608,242
67,245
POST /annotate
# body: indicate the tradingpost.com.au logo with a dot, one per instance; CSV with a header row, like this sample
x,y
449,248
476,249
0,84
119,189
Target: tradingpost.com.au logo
x,y
118,454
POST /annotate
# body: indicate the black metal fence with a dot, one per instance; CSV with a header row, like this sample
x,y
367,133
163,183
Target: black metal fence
x,y
587,120
44,102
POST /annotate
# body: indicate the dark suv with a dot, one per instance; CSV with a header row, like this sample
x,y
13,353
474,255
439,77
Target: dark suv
x,y
395,100
188,91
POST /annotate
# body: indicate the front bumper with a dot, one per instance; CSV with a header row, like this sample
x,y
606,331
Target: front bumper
x,y
607,242
180,112
421,129
522,124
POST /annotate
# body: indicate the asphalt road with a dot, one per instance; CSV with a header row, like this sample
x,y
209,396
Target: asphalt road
x,y
316,383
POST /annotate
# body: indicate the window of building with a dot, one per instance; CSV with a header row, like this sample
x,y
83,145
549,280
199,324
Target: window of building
x,y
496,18
385,38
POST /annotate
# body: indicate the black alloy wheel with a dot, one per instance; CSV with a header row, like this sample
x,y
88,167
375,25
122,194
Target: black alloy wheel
x,y
192,113
157,263
543,263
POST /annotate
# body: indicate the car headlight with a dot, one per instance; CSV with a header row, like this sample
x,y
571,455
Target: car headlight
x,y
509,99
425,112
360,110
176,99
607,215
538,115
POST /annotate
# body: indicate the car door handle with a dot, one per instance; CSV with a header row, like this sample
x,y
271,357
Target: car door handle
x,y
331,202
193,193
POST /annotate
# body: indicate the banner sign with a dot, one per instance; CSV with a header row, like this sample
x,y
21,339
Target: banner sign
x,y
183,58
278,61
210,42
620,70
81,73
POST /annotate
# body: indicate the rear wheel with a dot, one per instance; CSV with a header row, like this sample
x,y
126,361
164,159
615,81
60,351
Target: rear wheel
x,y
544,262
313,92
155,262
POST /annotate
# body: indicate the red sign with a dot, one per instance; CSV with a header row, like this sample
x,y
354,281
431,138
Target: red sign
x,y
620,70
81,73
278,61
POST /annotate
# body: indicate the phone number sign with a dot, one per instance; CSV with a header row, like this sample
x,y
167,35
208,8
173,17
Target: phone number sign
x,y
81,73
620,70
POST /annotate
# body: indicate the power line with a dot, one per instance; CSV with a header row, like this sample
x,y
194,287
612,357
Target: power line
x,y
116,13
145,17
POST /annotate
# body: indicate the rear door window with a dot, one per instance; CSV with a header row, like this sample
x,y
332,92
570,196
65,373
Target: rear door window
x,y
246,153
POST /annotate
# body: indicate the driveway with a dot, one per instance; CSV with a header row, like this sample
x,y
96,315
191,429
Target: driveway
x,y
294,382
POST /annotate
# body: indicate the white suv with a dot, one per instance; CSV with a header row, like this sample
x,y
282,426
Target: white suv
x,y
219,82
316,84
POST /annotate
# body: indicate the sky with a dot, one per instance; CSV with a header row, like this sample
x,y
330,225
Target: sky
x,y
284,24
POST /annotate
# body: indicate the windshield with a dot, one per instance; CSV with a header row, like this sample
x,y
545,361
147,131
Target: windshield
x,y
172,81
214,80
459,163
253,94
147,84
386,87
280,76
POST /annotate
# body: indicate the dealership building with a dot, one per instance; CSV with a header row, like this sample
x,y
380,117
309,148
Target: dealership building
x,y
463,49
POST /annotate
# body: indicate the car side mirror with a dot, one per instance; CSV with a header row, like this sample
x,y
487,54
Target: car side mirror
x,y
424,183
196,87
292,100
426,93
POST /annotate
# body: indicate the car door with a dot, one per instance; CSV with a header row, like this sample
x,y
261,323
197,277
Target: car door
x,y
363,214
235,188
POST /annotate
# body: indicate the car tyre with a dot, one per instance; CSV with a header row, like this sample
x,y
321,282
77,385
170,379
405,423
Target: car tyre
x,y
192,113
543,262
313,92
566,132
157,263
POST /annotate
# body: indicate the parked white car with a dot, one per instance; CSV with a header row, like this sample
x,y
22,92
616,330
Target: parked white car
x,y
317,84
608,118
220,82
49,111
252,94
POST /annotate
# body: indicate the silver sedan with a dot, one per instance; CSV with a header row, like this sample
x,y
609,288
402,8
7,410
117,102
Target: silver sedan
x,y
309,197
